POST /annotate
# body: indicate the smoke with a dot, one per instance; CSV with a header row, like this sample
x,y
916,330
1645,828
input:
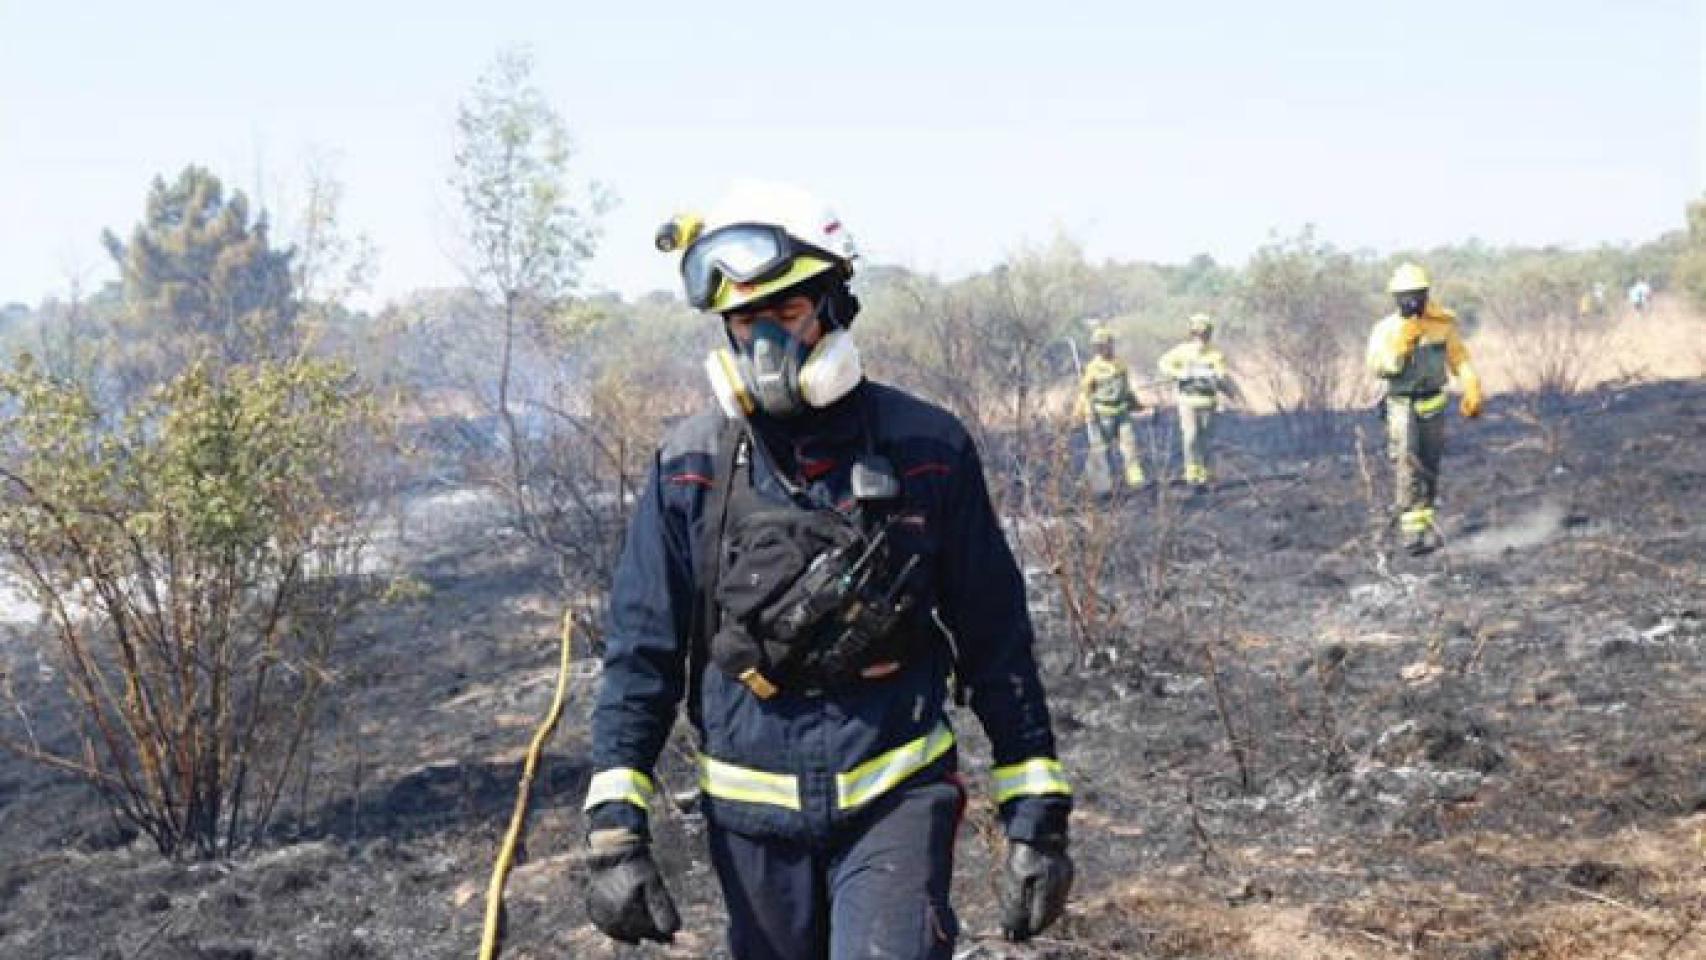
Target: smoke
x,y
1530,530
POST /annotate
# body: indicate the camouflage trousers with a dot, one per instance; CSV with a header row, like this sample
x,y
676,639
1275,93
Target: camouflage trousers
x,y
1415,440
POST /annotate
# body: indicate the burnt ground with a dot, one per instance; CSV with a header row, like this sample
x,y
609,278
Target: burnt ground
x,y
1285,742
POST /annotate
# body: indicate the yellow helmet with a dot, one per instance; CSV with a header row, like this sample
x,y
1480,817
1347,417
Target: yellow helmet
x,y
1201,323
758,240
1101,336
1409,277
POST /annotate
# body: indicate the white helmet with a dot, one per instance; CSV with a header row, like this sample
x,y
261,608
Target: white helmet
x,y
758,239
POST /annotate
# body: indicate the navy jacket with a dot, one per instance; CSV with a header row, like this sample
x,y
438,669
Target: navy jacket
x,y
798,766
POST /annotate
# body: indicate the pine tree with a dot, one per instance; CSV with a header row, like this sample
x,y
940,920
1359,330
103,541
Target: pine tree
x,y
201,279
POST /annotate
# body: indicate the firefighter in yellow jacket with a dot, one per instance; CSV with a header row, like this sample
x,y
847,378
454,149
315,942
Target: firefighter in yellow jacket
x,y
1416,351
1198,372
1108,403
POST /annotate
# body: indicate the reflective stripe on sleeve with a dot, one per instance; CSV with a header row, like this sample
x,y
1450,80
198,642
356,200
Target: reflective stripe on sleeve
x,y
1033,777
620,783
877,775
729,782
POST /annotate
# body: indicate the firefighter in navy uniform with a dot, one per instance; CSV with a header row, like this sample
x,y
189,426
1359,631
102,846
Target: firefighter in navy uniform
x,y
789,573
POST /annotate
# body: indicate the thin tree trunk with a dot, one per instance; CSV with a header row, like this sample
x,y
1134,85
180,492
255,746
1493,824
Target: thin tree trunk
x,y
518,503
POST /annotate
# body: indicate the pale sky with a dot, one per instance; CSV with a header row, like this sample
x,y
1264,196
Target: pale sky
x,y
947,134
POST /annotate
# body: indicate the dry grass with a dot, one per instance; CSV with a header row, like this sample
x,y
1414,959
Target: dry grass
x,y
1637,895
1660,345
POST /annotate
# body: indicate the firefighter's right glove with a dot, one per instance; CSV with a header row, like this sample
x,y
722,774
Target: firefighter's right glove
x,y
1034,885
625,895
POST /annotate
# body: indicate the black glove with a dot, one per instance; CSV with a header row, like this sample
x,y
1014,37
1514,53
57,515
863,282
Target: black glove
x,y
625,895
1034,886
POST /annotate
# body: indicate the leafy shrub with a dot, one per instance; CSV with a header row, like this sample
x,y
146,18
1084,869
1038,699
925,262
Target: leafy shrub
x,y
197,558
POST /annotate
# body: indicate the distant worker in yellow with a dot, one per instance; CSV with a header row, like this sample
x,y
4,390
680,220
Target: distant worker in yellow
x,y
1198,372
1108,404
1416,351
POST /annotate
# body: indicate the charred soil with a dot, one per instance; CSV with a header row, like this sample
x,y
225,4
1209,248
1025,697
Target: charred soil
x,y
1286,740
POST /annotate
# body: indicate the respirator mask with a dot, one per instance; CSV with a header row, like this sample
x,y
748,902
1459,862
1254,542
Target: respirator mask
x,y
775,372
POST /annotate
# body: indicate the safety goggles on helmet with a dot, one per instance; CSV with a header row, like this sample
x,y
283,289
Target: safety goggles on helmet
x,y
738,253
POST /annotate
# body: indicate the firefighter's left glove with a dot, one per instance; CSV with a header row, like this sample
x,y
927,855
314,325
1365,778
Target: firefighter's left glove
x,y
625,895
1034,886
1470,405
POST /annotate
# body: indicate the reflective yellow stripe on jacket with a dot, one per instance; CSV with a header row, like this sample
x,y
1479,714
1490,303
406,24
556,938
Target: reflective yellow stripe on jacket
x,y
730,782
1029,778
620,783
1423,407
875,776
1428,406
856,787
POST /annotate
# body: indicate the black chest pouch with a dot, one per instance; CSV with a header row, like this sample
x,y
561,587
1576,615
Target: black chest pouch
x,y
812,599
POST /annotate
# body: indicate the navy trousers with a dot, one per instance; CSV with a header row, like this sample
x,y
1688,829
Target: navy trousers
x,y
880,891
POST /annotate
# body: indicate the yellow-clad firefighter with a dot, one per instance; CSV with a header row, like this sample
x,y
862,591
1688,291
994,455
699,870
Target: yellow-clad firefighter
x,y
1415,351
1198,372
1108,404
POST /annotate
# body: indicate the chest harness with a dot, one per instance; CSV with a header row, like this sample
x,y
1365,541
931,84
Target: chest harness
x,y
803,597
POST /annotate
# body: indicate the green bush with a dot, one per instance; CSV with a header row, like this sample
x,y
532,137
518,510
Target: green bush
x,y
197,557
